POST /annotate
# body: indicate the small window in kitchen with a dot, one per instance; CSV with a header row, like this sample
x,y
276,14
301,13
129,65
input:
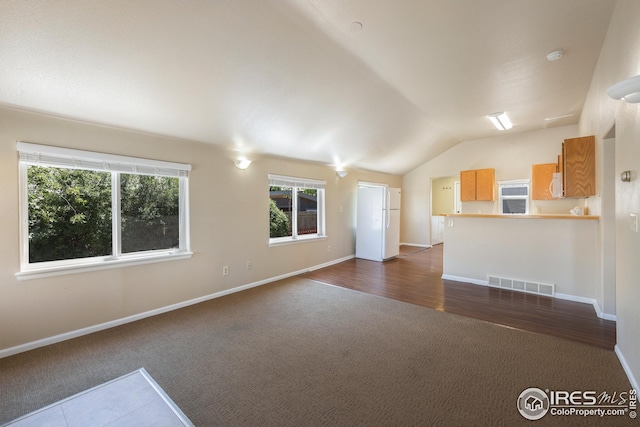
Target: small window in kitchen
x,y
514,197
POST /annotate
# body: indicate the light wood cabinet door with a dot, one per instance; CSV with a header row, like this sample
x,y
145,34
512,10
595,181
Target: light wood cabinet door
x,y
541,178
485,185
477,185
468,186
579,160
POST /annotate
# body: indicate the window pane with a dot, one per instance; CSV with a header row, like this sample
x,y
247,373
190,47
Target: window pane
x,y
515,191
307,211
69,213
149,212
514,206
280,207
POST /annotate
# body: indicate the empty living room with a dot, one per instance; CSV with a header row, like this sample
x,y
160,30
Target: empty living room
x,y
319,212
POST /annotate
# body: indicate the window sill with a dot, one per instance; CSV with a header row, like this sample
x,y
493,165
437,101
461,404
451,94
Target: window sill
x,y
279,241
103,264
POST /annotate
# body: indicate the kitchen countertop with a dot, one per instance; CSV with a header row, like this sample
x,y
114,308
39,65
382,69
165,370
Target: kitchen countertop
x,y
535,216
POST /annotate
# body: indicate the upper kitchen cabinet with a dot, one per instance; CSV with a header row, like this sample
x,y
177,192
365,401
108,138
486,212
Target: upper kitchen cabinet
x,y
579,166
541,181
477,185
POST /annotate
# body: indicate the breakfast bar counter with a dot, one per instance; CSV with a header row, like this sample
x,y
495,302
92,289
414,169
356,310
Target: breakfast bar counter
x,y
561,250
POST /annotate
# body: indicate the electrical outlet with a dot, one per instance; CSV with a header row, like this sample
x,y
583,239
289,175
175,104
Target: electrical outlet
x,y
249,265
634,222
225,270
328,248
450,222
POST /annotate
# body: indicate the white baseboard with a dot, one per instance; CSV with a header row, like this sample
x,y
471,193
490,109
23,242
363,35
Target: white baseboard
x,y
627,369
419,245
326,264
567,297
591,301
113,323
465,280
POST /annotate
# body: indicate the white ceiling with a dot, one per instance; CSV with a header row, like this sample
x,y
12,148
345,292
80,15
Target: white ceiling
x,y
291,77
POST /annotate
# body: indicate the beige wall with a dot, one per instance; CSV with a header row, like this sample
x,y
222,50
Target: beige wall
x,y
229,226
510,154
442,194
563,252
619,60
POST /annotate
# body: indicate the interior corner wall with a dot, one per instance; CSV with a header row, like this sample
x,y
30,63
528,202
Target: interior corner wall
x,y
510,154
229,226
620,60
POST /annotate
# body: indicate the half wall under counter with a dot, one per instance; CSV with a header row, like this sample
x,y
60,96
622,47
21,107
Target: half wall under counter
x,y
547,249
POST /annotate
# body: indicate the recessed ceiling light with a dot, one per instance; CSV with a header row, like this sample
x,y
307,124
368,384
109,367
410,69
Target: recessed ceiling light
x,y
355,26
555,55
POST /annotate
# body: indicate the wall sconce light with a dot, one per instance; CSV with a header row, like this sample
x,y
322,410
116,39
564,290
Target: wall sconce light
x,y
625,176
242,163
500,121
341,173
626,90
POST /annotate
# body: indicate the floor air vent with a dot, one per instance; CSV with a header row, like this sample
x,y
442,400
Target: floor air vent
x,y
545,289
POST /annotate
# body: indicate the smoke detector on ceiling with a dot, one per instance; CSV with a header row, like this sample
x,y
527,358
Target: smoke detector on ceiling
x,y
355,26
555,55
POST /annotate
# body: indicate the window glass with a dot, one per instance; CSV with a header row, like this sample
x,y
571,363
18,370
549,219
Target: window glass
x,y
296,209
149,207
307,211
515,191
280,211
514,206
69,213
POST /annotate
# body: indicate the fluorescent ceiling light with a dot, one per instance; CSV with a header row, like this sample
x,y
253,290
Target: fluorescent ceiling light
x,y
500,121
626,90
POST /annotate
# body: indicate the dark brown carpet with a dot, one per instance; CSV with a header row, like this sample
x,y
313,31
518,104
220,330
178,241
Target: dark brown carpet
x,y
300,353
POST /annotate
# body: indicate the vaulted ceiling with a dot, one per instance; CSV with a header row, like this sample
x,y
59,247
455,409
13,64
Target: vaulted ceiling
x,y
384,85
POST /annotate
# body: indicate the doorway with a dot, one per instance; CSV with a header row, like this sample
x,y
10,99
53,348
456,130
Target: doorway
x,y
445,199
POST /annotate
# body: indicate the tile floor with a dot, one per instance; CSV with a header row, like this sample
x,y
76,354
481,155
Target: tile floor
x,y
133,400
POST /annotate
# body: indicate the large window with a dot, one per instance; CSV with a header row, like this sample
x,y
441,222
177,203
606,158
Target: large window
x,y
84,210
296,209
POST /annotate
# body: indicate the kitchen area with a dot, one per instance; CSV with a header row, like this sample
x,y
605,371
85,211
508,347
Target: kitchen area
x,y
531,235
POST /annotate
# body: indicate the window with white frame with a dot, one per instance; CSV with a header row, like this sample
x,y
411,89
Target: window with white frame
x,y
514,196
82,209
296,209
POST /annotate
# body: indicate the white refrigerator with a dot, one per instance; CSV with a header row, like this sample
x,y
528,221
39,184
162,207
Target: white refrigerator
x,y
378,223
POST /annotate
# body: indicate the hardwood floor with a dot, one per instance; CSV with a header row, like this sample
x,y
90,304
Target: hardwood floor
x,y
415,277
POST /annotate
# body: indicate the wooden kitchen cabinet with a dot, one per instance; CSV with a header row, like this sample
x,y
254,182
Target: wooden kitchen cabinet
x,y
541,178
579,166
477,185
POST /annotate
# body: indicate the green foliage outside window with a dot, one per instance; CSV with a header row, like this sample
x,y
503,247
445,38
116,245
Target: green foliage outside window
x,y
279,222
70,213
150,212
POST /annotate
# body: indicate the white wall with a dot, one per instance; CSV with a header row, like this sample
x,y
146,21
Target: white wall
x,y
510,154
619,60
229,226
563,252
